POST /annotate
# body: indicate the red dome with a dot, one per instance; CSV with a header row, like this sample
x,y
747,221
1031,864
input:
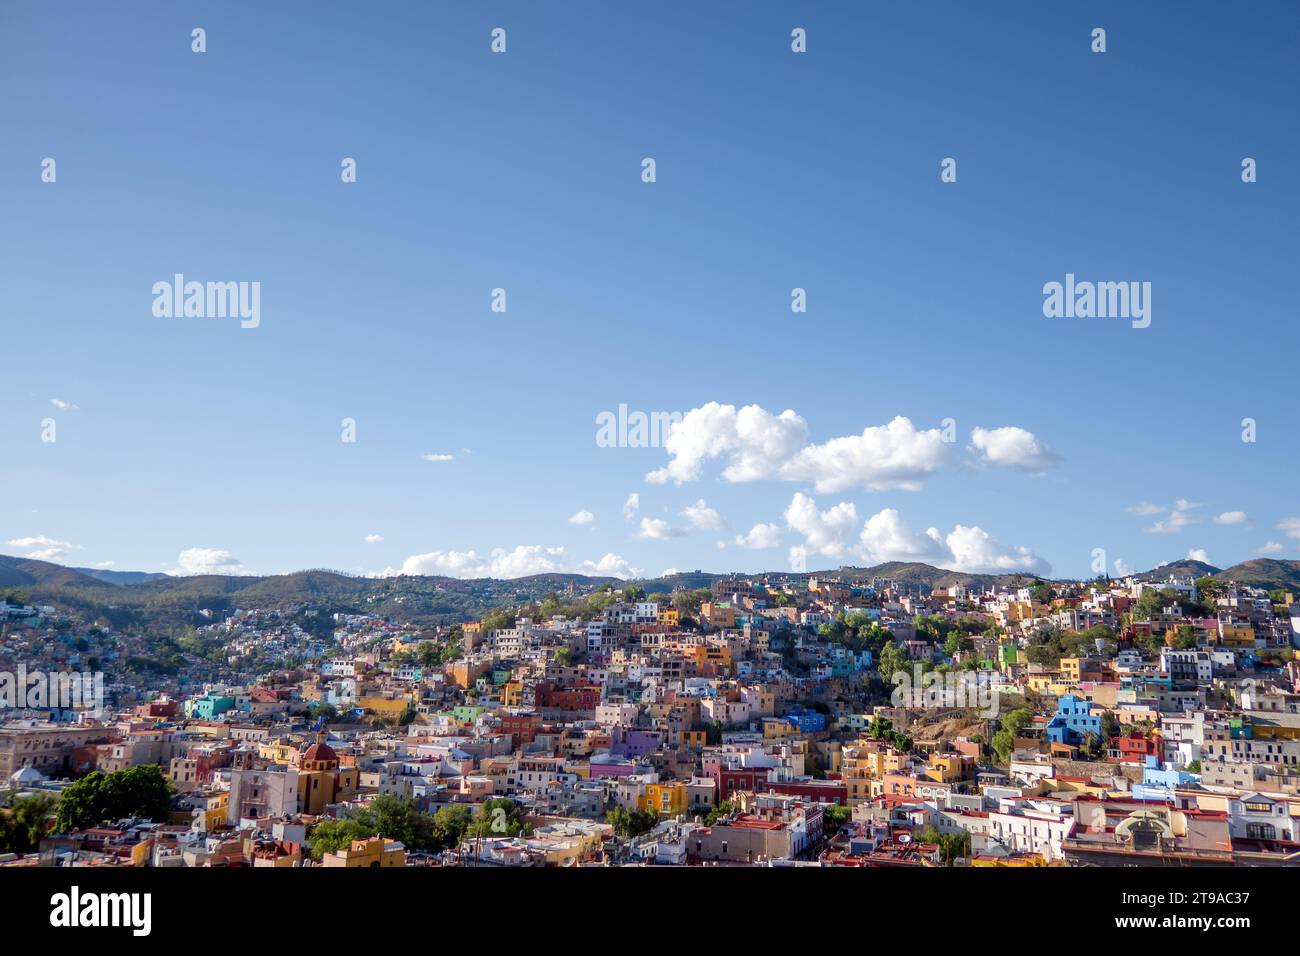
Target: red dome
x,y
320,752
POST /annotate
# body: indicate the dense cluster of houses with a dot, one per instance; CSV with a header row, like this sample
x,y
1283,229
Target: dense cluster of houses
x,y
756,724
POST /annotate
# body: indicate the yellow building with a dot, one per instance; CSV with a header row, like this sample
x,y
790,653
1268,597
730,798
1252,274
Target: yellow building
x,y
374,851
775,728
1049,685
384,706
278,752
668,615
321,780
719,655
692,739
211,807
464,673
1236,635
946,768
665,799
512,694
866,762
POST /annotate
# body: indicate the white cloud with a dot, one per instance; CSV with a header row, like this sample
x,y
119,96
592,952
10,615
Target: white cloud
x,y
759,537
1231,517
1146,508
48,554
1270,547
1291,527
47,548
433,457
582,517
882,458
522,561
824,532
656,529
755,444
39,541
1121,569
666,572
1012,447
374,538
194,561
611,565
700,515
975,550
631,505
1198,554
1180,516
753,440
64,406
885,537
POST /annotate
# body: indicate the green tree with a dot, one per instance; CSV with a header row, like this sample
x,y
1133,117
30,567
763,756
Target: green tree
x,y
893,659
834,817
953,846
138,792
24,821
498,817
880,728
450,824
329,836
720,811
1011,725
958,643
387,816
320,708
631,823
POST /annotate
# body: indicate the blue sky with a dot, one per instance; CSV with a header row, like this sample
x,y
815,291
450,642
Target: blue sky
x,y
195,444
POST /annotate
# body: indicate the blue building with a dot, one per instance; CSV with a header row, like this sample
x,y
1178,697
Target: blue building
x,y
1073,721
806,721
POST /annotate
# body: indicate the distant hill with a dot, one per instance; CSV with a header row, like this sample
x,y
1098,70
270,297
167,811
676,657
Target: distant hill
x,y
31,574
913,574
130,598
120,577
165,601
1181,569
1264,573
1258,572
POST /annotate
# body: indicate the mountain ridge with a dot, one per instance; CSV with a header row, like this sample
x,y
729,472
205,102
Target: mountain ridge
x,y
127,597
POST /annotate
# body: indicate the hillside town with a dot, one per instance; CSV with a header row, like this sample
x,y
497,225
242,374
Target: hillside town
x,y
771,721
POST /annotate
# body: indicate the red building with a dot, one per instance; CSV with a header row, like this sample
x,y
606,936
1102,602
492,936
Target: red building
x,y
816,791
1134,748
522,728
568,699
